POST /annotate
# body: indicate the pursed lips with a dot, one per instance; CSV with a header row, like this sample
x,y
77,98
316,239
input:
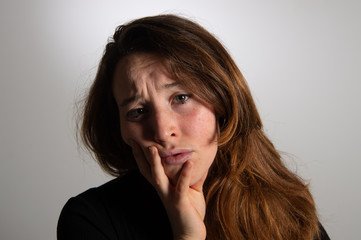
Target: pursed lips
x,y
175,156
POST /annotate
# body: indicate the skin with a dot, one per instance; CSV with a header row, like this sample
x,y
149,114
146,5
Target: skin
x,y
159,117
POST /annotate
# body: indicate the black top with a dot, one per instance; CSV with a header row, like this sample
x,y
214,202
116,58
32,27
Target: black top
x,y
126,208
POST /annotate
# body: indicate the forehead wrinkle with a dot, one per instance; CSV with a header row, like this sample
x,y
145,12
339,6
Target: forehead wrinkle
x,y
143,73
158,77
141,63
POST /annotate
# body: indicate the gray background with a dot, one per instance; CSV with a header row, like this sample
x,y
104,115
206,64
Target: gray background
x,y
301,59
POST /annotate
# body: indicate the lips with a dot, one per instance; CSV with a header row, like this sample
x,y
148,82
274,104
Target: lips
x,y
175,156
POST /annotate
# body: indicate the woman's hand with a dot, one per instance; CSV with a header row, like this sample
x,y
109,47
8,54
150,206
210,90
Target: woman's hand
x,y
185,204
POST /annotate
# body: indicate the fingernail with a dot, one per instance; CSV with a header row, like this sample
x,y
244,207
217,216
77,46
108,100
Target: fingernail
x,y
151,150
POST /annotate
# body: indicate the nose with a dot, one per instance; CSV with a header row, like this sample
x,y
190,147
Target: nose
x,y
165,128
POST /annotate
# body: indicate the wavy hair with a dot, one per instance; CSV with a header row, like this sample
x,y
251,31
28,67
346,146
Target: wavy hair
x,y
250,194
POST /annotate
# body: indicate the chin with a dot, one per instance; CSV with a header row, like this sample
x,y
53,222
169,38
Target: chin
x,y
173,173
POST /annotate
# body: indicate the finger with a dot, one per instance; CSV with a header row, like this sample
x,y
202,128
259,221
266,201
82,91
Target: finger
x,y
184,179
142,163
160,179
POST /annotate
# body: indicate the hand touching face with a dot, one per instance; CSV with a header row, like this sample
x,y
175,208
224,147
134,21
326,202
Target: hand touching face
x,y
157,111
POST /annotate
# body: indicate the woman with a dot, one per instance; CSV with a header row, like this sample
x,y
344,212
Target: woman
x,y
170,115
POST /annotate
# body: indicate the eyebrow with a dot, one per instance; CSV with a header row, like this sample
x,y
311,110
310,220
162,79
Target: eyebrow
x,y
134,98
170,85
129,100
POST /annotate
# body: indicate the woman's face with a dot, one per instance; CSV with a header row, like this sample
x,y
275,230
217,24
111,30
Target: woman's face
x,y
157,111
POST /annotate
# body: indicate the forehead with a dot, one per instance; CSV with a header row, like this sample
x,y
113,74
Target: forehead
x,y
139,66
134,72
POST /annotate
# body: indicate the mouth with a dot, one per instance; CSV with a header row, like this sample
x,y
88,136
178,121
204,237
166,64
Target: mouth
x,y
175,156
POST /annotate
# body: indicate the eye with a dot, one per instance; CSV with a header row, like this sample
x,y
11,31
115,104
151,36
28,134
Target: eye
x,y
181,98
135,114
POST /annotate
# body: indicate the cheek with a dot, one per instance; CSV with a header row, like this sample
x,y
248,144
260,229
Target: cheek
x,y
201,125
136,132
124,133
127,132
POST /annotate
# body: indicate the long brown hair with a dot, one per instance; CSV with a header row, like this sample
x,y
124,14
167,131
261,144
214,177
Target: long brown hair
x,y
250,194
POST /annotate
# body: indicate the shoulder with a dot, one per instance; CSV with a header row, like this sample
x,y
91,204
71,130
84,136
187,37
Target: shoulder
x,y
123,189
121,207
115,193
119,194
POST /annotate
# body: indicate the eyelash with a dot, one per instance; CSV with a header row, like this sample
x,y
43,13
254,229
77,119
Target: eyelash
x,y
183,100
136,114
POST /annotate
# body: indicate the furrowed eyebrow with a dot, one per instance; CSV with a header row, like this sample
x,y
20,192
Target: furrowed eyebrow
x,y
129,100
170,85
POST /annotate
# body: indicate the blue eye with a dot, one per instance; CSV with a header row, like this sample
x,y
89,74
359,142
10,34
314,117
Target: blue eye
x,y
181,98
135,113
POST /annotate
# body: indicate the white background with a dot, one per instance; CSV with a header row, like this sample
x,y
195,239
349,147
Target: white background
x,y
302,60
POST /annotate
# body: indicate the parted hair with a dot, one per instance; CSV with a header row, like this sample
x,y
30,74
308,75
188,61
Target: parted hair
x,y
250,194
